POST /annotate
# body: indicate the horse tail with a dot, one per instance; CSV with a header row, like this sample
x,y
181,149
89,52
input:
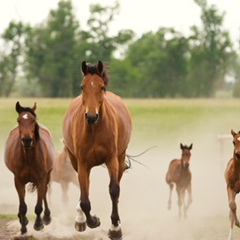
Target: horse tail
x,y
31,187
128,163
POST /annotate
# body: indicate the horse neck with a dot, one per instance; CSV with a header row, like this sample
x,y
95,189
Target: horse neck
x,y
236,162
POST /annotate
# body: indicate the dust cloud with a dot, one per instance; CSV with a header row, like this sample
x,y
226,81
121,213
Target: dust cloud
x,y
144,195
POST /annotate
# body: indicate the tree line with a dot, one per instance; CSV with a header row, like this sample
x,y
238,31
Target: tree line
x,y
44,60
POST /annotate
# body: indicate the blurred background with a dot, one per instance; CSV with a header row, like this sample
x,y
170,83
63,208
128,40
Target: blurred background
x,y
155,49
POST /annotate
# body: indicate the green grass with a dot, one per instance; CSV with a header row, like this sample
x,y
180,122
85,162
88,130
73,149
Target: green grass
x,y
154,120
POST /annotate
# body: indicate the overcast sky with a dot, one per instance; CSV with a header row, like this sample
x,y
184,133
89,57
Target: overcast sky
x,y
140,16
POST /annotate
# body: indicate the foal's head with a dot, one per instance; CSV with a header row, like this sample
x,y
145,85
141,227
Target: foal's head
x,y
93,87
27,124
236,143
186,154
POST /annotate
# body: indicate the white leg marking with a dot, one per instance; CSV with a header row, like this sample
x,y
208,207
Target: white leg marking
x,y
81,218
115,228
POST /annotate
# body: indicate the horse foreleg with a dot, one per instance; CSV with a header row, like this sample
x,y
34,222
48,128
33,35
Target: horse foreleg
x,y
115,172
170,195
186,206
233,210
180,201
41,192
85,205
22,205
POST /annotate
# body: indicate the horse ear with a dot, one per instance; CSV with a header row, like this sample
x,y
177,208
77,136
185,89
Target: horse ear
x,y
181,146
34,107
18,107
100,67
190,147
233,133
84,68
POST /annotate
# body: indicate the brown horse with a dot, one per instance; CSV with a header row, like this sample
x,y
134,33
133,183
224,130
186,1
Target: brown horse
x,y
96,130
180,174
232,177
29,155
63,173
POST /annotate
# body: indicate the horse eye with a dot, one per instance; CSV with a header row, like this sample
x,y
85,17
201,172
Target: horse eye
x,y
81,87
103,88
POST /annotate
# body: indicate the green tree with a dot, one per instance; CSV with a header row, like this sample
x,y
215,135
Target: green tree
x,y
11,59
161,62
211,53
51,52
96,42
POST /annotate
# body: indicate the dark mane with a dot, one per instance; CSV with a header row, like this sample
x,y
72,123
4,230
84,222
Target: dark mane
x,y
28,109
92,69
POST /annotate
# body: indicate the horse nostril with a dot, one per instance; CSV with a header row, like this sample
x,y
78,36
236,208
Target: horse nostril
x,y
237,155
92,119
27,142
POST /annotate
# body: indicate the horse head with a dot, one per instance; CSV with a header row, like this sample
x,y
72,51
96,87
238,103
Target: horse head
x,y
186,154
27,124
93,87
236,143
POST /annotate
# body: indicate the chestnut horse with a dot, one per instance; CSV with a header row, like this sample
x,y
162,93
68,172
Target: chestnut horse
x,y
63,173
179,174
232,177
96,130
29,155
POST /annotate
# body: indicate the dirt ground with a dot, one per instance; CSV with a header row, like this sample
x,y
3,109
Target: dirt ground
x,y
143,200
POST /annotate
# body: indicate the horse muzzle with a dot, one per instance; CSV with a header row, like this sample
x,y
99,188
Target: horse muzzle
x,y
237,155
27,142
91,119
186,165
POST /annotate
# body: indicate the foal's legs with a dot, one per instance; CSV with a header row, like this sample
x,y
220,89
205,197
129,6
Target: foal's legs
x,y
20,187
180,194
186,206
170,195
233,208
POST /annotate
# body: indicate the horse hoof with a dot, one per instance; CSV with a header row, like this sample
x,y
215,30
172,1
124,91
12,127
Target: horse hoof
x,y
23,230
46,220
38,226
80,227
95,222
115,235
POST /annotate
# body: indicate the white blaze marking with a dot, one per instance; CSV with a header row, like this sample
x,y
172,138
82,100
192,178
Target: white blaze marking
x,y
92,83
25,116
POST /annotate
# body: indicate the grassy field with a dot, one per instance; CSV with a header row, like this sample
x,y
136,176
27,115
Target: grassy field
x,y
154,120
162,123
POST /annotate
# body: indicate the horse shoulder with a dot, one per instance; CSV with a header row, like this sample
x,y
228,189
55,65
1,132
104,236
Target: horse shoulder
x,y
122,115
48,145
232,174
73,112
12,146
